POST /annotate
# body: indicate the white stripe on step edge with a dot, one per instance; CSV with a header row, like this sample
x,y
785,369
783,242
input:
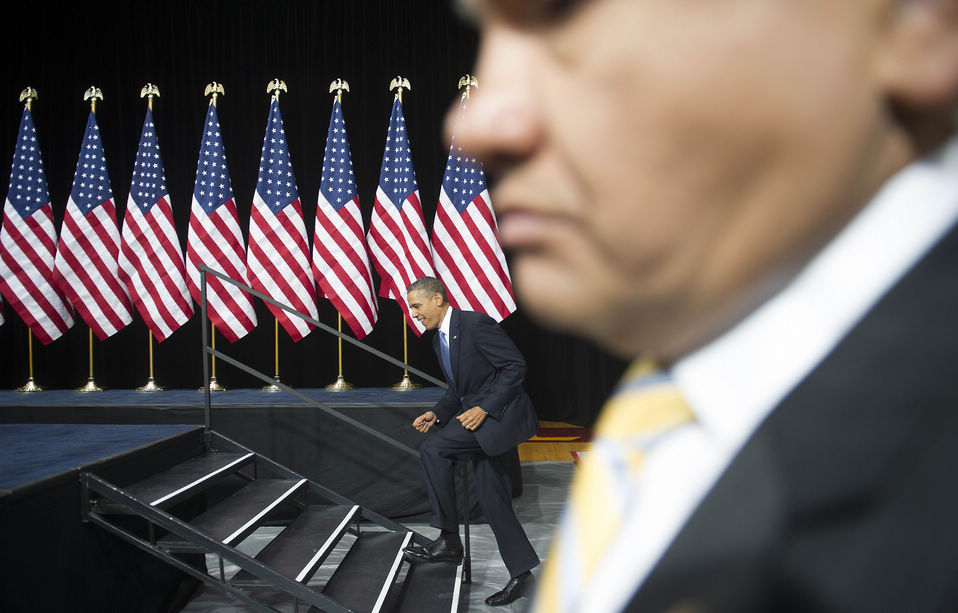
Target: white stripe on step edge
x,y
329,543
201,479
392,574
259,515
455,592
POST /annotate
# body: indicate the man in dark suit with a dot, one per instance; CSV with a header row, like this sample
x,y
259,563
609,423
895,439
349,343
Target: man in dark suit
x,y
761,196
484,414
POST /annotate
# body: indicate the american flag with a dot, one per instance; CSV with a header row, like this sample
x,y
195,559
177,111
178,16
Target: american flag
x,y
278,255
151,262
340,261
465,239
86,265
28,243
214,238
397,232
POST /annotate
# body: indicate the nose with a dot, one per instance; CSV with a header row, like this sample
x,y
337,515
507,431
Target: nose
x,y
499,123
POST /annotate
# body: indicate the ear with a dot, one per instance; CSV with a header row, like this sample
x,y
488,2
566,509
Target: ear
x,y
919,65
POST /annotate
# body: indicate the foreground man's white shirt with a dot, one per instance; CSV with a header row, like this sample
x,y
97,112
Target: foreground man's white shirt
x,y
733,383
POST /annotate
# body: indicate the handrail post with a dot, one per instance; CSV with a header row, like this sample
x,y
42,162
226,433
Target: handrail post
x,y
207,413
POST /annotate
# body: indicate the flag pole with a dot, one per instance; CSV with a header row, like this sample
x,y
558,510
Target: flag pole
x,y
30,386
28,95
406,383
275,87
272,387
340,385
215,89
214,386
149,90
91,385
91,94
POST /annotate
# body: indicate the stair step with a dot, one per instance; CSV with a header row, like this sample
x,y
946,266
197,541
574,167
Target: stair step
x,y
299,550
175,484
431,587
364,577
236,517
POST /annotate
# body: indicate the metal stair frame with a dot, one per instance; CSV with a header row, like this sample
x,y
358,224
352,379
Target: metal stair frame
x,y
118,502
209,351
158,517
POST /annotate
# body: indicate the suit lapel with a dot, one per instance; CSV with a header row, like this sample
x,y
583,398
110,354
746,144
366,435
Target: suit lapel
x,y
455,332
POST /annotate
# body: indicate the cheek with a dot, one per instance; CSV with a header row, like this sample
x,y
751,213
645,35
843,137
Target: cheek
x,y
569,281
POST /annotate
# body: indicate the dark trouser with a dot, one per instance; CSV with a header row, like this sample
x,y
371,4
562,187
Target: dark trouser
x,y
493,492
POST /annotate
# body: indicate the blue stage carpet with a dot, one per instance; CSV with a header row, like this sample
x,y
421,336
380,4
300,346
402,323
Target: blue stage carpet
x,y
238,397
30,452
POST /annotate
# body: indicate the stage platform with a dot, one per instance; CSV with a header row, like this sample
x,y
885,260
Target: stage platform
x,y
51,560
276,424
46,406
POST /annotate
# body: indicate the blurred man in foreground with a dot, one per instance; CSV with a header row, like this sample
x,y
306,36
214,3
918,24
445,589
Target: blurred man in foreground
x,y
760,196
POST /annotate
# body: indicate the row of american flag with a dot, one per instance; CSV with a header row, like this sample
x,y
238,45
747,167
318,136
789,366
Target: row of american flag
x,y
103,272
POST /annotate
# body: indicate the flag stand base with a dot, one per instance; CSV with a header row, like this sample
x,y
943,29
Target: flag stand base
x,y
272,386
90,386
214,386
30,386
340,385
406,384
150,386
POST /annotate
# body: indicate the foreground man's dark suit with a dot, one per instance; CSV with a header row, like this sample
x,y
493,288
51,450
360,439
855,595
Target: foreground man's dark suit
x,y
487,371
845,498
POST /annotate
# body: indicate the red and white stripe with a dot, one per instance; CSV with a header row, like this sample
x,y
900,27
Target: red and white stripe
x,y
397,241
27,254
341,264
216,241
151,267
86,268
469,258
278,261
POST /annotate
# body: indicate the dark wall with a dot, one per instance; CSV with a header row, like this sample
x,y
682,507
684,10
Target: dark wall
x,y
181,46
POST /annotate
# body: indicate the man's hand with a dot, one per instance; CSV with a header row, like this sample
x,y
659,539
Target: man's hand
x,y
472,419
425,421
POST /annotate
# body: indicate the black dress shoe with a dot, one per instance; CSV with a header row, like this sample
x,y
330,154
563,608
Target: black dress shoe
x,y
516,588
440,550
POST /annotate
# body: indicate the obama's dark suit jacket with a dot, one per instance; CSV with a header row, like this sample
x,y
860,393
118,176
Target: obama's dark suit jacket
x,y
488,372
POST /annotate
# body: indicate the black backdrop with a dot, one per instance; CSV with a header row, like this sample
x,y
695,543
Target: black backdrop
x,y
61,49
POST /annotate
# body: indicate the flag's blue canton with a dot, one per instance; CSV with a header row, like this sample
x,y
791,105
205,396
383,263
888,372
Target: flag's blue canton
x,y
28,185
91,184
397,178
213,187
338,184
149,181
464,179
276,185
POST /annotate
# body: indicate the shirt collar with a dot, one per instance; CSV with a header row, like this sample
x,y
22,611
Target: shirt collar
x,y
735,381
446,321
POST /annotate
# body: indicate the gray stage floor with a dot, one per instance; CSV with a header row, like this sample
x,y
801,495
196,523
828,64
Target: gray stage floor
x,y
538,508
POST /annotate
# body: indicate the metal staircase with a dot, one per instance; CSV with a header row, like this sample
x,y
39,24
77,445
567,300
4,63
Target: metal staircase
x,y
210,503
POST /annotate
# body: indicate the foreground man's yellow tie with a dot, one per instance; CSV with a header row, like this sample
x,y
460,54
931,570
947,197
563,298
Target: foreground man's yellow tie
x,y
644,406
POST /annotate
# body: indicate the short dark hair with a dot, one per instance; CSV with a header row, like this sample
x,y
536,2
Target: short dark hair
x,y
429,286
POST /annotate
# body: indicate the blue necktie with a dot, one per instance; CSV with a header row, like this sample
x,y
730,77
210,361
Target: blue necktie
x,y
444,351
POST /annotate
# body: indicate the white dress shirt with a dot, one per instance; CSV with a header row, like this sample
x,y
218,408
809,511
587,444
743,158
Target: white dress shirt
x,y
734,382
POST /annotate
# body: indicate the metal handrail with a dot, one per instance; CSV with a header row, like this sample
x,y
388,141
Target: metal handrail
x,y
209,351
